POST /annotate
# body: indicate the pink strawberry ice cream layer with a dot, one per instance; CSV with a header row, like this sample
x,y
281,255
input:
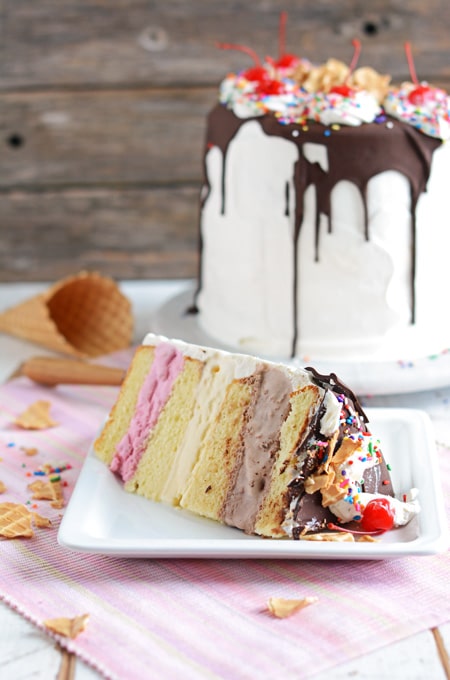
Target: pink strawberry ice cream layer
x,y
153,396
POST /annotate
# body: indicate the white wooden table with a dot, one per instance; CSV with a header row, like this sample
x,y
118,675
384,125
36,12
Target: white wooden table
x,y
26,652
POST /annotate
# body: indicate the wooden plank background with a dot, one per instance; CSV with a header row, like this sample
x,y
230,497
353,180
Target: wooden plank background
x,y
102,115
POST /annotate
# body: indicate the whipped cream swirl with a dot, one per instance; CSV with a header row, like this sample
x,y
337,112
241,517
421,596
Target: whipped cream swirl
x,y
424,107
353,108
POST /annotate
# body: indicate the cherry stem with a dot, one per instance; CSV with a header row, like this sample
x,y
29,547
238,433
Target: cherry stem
x,y
357,51
335,527
410,60
240,48
282,35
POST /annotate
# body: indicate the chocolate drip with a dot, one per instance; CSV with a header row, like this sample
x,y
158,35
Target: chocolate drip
x,y
224,163
220,131
310,514
378,480
308,511
355,154
332,382
287,195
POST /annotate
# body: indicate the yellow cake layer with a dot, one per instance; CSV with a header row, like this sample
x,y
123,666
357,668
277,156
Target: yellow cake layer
x,y
157,461
209,482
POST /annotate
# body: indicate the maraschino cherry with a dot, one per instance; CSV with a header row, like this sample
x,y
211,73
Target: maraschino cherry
x,y
285,61
268,87
378,515
257,73
345,90
421,93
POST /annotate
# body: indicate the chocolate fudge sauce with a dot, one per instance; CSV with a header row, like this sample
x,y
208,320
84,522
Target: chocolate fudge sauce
x,y
308,513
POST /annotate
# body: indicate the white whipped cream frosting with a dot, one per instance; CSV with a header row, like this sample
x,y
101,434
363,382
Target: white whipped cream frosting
x,y
293,104
243,98
351,473
334,108
329,422
430,115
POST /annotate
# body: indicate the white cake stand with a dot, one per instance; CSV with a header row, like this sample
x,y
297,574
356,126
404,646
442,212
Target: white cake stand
x,y
367,377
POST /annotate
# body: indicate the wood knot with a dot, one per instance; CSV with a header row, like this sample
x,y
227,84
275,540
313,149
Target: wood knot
x,y
153,39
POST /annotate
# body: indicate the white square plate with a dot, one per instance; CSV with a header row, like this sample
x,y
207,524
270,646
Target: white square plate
x,y
102,518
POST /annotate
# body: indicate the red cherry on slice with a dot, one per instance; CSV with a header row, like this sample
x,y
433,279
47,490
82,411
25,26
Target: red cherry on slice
x,y
419,95
378,515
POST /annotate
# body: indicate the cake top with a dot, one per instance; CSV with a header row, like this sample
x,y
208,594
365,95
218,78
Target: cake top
x,y
295,91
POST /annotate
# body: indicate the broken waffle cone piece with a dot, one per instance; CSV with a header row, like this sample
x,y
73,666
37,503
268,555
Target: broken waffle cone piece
x,y
282,608
67,627
84,315
36,417
15,521
29,451
330,537
40,521
48,491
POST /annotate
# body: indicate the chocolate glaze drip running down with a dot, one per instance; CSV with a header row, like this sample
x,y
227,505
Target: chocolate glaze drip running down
x,y
355,154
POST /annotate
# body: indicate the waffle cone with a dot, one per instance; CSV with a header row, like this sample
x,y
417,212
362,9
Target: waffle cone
x,y
15,521
84,315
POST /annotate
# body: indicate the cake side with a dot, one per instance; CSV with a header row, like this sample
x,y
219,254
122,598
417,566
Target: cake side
x,y
252,444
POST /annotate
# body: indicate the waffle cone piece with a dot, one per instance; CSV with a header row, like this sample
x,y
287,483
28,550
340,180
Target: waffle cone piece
x,y
15,521
84,315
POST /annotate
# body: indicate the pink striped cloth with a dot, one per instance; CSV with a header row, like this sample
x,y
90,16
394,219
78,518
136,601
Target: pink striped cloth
x,y
194,618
